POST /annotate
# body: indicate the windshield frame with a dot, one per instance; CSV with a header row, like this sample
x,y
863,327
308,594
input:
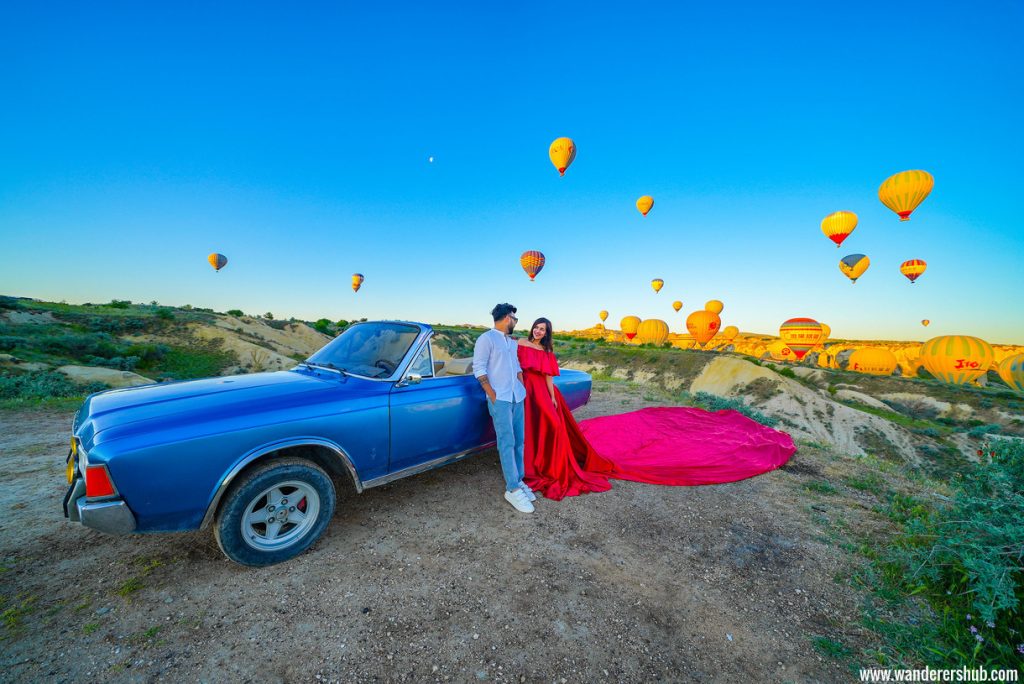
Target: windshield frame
x,y
421,331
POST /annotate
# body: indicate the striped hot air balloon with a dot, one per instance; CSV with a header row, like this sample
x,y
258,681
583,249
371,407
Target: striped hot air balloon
x,y
629,326
957,359
532,262
218,261
913,269
872,361
561,153
1011,370
853,266
801,335
653,331
904,191
703,325
838,225
357,281
644,204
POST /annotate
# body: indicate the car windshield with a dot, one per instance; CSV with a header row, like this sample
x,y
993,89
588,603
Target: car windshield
x,y
373,350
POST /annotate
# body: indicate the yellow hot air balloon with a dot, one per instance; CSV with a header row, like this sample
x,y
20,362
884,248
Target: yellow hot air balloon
x,y
677,305
1011,370
838,225
629,326
603,315
854,265
357,281
653,331
904,191
657,284
957,359
714,306
644,204
826,332
872,361
925,322
562,152
729,333
218,261
532,262
800,335
703,325
913,269
780,351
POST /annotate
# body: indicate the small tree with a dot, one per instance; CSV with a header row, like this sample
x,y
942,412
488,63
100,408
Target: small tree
x,y
342,323
269,316
237,313
323,325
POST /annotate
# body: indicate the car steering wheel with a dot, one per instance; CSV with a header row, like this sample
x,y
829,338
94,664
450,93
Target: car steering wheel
x,y
386,365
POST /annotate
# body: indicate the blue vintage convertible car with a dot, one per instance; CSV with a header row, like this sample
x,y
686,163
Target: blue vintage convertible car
x,y
259,456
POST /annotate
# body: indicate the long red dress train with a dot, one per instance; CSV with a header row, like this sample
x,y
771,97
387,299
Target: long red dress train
x,y
669,446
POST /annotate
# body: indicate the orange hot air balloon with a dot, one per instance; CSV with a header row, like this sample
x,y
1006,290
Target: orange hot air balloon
x,y
730,332
801,335
677,305
644,204
703,325
913,269
532,262
562,152
629,326
657,284
872,361
653,331
218,261
904,191
1011,370
714,306
957,359
925,322
603,315
838,225
357,281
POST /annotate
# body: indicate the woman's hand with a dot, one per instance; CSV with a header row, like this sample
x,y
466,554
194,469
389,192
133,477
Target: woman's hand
x,y
554,401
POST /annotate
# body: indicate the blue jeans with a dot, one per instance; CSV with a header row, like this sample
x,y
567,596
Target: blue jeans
x,y
509,422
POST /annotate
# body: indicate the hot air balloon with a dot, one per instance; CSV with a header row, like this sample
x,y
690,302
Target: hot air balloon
x,y
357,281
644,204
657,284
838,225
218,261
779,351
957,359
532,262
826,332
800,335
872,361
703,325
562,152
925,322
913,269
629,326
729,333
714,306
603,315
653,331
1011,370
677,305
904,191
854,265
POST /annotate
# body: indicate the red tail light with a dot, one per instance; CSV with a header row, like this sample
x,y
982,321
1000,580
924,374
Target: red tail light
x,y
97,482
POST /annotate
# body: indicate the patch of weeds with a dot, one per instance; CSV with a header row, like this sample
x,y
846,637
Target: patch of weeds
x,y
130,586
831,648
90,627
819,486
15,611
713,402
84,605
865,483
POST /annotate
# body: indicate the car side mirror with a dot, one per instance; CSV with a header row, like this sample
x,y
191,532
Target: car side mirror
x,y
414,379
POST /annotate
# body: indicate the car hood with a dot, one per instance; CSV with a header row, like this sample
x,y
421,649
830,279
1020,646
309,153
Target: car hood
x,y
197,401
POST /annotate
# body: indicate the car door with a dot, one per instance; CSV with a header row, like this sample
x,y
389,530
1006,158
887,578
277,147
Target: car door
x,y
433,417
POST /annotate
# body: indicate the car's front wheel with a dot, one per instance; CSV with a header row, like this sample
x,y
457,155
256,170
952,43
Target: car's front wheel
x,y
275,512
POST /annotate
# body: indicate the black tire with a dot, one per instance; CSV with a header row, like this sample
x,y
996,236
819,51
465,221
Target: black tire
x,y
228,528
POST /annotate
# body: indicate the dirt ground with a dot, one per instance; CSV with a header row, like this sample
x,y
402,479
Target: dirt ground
x,y
432,578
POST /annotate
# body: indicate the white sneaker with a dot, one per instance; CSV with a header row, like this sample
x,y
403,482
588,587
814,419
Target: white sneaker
x,y
519,501
526,490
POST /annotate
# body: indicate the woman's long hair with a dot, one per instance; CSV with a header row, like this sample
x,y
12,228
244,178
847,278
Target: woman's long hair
x,y
546,340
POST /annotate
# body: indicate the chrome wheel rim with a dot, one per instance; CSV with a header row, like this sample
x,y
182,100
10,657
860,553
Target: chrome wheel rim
x,y
280,516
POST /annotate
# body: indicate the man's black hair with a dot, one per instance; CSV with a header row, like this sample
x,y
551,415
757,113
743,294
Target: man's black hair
x,y
502,310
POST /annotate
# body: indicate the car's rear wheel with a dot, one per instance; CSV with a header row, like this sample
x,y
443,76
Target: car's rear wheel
x,y
275,512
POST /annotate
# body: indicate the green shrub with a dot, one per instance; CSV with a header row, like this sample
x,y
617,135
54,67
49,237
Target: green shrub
x,y
237,313
713,402
786,372
979,431
342,323
323,325
43,385
164,314
119,303
269,316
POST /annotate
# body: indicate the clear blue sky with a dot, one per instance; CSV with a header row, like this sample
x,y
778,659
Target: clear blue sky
x,y
136,138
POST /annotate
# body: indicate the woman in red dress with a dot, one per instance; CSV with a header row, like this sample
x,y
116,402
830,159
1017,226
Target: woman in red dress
x,y
559,462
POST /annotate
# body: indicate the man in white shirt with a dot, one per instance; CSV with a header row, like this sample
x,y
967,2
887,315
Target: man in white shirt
x,y
496,367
